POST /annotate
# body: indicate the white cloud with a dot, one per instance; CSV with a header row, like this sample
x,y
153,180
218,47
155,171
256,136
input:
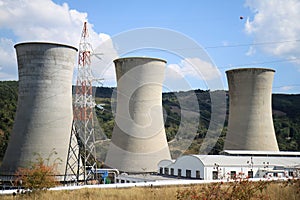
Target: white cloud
x,y
40,20
276,21
174,79
286,88
8,67
251,51
193,67
102,62
178,76
174,71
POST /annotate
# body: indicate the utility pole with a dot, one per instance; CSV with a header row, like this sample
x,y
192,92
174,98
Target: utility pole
x,y
83,123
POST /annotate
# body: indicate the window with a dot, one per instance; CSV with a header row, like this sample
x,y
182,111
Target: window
x,y
275,174
161,170
179,172
291,173
215,175
233,174
166,171
197,174
172,171
122,181
188,173
250,174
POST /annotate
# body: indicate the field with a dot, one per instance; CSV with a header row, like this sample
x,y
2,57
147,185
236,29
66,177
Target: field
x,y
238,190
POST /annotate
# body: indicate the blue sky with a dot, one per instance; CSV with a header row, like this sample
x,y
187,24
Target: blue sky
x,y
268,36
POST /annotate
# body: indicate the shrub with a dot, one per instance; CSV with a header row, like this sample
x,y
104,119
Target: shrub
x,y
40,175
237,190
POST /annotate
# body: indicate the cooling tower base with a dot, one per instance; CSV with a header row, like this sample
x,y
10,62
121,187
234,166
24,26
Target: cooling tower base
x,y
134,162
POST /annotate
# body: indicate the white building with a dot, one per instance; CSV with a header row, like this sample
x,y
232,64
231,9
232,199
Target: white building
x,y
233,164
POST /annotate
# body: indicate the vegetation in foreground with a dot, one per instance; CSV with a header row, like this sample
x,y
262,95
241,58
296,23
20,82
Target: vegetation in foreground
x,y
39,177
243,190
40,174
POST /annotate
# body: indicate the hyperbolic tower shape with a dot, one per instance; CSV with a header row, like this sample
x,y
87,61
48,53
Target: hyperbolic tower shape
x,y
44,113
250,125
138,140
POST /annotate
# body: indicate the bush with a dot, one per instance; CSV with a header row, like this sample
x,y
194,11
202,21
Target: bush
x,y
237,190
40,175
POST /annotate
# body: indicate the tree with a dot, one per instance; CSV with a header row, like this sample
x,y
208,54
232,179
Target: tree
x,y
41,174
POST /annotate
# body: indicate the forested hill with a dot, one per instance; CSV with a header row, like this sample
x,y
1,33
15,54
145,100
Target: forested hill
x,y
286,115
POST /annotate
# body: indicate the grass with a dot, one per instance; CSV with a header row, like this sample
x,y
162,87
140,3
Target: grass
x,y
273,190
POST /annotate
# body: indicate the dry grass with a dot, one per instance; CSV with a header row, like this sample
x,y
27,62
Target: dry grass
x,y
280,191
163,193
284,191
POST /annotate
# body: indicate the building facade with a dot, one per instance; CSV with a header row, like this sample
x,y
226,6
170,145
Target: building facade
x,y
233,165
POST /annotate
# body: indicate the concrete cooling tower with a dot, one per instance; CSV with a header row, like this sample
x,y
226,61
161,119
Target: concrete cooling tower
x,y
138,140
250,110
44,114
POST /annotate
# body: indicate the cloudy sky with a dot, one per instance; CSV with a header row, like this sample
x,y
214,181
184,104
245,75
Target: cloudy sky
x,y
200,40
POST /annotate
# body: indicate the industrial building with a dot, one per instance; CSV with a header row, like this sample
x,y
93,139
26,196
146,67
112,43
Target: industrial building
x,y
138,140
233,164
44,112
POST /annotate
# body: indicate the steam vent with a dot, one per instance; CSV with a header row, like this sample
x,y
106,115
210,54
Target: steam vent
x,y
138,140
250,110
44,114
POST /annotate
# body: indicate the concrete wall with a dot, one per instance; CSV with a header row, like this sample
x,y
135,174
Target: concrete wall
x,y
250,113
138,140
44,113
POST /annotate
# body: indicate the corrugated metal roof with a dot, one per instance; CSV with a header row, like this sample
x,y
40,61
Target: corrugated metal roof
x,y
223,160
266,153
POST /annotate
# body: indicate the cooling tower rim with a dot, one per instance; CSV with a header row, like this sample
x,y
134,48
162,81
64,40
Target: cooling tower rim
x,y
47,43
250,69
142,58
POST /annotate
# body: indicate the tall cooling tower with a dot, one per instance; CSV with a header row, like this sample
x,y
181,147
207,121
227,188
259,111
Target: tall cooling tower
x,y
250,110
44,114
138,140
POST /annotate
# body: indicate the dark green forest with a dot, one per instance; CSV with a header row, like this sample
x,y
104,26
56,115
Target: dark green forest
x,y
286,116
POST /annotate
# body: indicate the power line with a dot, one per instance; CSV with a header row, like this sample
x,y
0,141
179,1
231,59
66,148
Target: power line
x,y
153,49
252,44
259,63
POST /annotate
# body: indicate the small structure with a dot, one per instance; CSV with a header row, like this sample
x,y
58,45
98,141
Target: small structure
x,y
233,164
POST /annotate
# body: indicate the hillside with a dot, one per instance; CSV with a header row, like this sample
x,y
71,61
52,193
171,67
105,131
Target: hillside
x,y
286,115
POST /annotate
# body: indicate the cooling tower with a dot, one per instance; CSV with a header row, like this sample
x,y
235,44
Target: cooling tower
x,y
250,125
44,114
138,141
